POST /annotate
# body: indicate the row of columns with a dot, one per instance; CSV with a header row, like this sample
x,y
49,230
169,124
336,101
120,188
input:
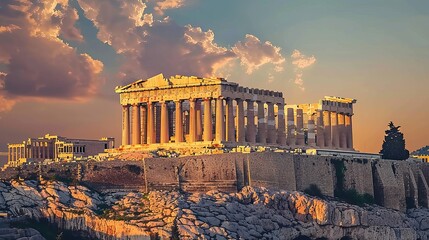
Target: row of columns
x,y
227,127
28,151
329,130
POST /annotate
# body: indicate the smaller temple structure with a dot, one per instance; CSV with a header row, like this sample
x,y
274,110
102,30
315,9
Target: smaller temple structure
x,y
55,148
326,124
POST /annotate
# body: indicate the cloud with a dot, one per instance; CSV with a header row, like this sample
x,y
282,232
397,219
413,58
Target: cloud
x,y
5,103
167,4
156,46
68,29
253,54
119,22
39,65
300,62
152,44
9,28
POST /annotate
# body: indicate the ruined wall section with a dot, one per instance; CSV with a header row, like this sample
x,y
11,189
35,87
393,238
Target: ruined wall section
x,y
271,170
388,191
358,176
113,175
423,188
314,170
210,172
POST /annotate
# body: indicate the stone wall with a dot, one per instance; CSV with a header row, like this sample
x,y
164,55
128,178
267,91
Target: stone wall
x,y
388,191
358,175
274,170
394,184
314,170
114,175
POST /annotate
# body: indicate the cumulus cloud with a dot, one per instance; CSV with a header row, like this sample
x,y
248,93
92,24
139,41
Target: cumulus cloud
x,y
119,22
156,46
253,54
5,103
300,62
39,65
68,28
151,44
163,5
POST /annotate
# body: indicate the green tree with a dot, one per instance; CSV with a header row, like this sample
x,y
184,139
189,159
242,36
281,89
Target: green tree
x,y
394,144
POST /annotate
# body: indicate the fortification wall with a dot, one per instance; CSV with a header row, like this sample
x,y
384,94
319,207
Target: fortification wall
x,y
314,170
394,184
114,175
358,175
388,191
271,170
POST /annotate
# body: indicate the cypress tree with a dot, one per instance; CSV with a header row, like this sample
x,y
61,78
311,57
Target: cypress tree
x,y
394,144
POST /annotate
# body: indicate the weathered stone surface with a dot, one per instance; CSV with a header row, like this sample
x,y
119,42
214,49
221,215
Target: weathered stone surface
x,y
253,213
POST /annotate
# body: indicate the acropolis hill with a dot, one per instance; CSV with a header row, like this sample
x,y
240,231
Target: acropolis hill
x,y
212,192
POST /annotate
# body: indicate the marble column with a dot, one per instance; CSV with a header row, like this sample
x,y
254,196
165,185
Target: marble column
x,y
262,126
328,128
290,138
136,129
143,124
335,131
342,130
311,135
208,135
179,122
300,140
349,131
250,128
42,148
199,122
281,135
125,125
192,121
230,126
165,136
220,124
9,154
271,124
150,123
320,136
240,121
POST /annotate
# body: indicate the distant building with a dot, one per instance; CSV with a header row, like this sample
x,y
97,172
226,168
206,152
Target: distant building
x,y
422,153
342,153
55,148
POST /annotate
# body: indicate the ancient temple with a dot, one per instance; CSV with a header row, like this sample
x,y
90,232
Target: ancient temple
x,y
183,111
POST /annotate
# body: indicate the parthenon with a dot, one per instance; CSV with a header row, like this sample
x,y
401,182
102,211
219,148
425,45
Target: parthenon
x,y
185,110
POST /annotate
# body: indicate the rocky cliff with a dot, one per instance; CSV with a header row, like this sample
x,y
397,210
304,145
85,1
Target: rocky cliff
x,y
252,213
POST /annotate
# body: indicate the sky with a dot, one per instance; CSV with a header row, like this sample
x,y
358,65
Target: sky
x,y
60,60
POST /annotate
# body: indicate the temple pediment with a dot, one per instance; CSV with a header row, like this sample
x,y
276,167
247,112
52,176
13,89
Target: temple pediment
x,y
159,82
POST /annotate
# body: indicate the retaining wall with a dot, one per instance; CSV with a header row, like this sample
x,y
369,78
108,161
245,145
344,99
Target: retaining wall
x,y
394,184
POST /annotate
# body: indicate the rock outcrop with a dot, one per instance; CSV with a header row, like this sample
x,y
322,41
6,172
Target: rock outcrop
x,y
8,233
252,213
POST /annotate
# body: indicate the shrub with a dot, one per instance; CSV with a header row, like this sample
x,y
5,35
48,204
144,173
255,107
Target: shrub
x,y
134,169
353,197
313,190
